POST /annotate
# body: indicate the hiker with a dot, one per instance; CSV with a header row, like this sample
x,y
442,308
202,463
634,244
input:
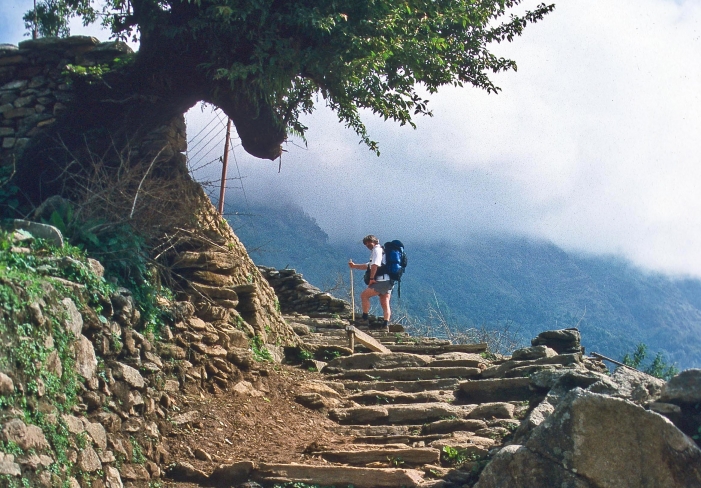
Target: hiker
x,y
379,285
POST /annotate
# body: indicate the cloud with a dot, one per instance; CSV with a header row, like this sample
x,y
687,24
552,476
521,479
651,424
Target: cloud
x,y
592,144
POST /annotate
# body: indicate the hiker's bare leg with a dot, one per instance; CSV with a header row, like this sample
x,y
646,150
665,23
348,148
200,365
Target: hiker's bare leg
x,y
365,298
384,303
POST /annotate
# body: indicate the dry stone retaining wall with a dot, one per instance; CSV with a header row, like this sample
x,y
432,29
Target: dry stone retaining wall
x,y
34,89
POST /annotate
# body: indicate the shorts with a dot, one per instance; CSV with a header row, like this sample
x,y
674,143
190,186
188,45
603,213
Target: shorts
x,y
382,287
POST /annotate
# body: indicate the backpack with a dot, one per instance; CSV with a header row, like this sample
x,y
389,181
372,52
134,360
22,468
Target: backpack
x,y
395,262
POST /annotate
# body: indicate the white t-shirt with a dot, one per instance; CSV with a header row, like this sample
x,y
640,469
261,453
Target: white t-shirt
x,y
377,257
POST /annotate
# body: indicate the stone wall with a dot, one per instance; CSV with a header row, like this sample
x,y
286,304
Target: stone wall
x,y
295,294
34,89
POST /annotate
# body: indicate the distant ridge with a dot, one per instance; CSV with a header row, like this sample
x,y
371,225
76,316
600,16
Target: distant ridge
x,y
489,281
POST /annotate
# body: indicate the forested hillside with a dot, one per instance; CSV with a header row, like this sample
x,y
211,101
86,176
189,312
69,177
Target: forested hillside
x,y
528,285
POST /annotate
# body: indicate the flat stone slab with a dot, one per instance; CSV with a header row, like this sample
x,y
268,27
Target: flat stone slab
x,y
407,374
377,397
370,454
404,386
453,425
425,412
436,348
366,340
563,359
399,414
376,360
453,359
494,390
340,475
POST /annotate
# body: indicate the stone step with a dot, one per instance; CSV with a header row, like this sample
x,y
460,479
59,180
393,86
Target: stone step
x,y
432,349
457,359
525,368
391,454
339,476
447,384
400,414
409,440
407,374
377,430
467,445
375,360
377,397
494,390
422,413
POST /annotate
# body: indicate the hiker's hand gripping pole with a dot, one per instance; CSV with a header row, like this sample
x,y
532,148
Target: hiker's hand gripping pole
x,y
350,265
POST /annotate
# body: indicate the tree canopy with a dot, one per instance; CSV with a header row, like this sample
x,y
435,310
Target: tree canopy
x,y
274,60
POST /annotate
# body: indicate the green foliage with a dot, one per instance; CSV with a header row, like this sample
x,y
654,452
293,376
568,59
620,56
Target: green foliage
x,y
260,352
8,190
658,367
137,456
124,254
289,55
453,456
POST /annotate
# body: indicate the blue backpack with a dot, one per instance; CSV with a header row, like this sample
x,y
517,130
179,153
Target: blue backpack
x,y
395,262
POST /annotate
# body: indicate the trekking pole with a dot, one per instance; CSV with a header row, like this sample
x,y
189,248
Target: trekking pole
x,y
352,296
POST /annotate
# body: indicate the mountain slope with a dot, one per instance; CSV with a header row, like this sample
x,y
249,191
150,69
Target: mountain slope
x,y
490,281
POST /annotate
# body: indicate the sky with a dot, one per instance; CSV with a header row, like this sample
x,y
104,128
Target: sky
x,y
593,144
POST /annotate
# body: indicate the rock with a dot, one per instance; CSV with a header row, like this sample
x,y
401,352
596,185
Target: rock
x,y
88,460
341,475
98,434
562,341
497,410
8,466
40,231
424,412
245,388
231,474
112,478
375,360
564,379
130,375
315,401
362,456
74,425
185,418
630,384
606,441
494,390
535,352
85,359
187,473
359,415
517,467
684,388
243,358
453,359
25,436
73,319
7,386
202,455
320,388
452,425
134,472
53,364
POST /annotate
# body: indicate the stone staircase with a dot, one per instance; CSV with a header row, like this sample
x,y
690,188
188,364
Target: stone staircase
x,y
429,413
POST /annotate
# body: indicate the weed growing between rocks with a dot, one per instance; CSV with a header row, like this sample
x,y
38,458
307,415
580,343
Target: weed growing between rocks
x,y
40,380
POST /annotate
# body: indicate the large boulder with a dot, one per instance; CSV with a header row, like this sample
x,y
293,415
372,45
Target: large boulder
x,y
684,388
594,440
630,384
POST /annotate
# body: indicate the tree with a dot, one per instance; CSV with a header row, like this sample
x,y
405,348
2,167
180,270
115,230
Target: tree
x,y
266,62
658,367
